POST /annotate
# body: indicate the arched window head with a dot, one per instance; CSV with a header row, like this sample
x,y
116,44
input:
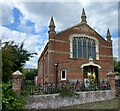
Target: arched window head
x,y
83,46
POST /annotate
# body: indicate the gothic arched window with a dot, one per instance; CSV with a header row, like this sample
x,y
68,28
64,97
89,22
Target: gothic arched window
x,y
79,48
83,47
93,50
89,48
74,48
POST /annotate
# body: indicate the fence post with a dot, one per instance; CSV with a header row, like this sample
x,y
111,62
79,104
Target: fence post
x,y
78,85
111,77
17,81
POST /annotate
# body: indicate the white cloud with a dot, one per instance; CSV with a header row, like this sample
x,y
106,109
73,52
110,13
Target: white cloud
x,y
23,26
66,14
33,43
115,46
6,13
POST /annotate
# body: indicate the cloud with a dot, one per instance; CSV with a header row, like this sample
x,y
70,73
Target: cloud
x,y
66,14
102,16
33,43
23,27
6,13
115,46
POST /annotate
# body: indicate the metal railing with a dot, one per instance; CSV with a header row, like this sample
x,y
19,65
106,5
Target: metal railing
x,y
55,88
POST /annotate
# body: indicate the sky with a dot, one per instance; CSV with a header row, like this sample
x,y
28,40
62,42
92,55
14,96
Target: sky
x,y
29,21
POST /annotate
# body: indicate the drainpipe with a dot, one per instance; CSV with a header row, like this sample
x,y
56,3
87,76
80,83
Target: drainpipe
x,y
56,71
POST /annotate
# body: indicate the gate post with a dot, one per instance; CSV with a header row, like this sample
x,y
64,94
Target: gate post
x,y
17,81
111,78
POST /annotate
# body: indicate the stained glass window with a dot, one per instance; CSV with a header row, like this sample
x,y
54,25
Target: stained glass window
x,y
89,48
79,48
83,47
74,48
93,50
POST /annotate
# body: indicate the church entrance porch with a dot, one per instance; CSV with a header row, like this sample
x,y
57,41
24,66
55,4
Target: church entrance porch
x,y
90,77
90,72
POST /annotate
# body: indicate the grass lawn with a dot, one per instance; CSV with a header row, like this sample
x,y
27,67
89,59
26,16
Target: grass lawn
x,y
109,104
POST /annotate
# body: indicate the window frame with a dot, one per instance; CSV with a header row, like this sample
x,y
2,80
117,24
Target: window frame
x,y
82,36
65,75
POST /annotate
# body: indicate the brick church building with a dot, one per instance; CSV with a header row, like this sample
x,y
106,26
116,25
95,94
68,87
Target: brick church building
x,y
74,54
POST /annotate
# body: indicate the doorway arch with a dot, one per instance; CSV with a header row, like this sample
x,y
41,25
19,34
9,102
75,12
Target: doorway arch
x,y
90,72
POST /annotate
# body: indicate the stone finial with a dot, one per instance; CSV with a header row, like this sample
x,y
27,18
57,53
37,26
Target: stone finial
x,y
52,25
108,36
110,74
17,73
83,17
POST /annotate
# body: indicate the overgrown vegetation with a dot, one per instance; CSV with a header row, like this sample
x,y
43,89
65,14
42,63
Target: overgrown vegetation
x,y
67,93
11,101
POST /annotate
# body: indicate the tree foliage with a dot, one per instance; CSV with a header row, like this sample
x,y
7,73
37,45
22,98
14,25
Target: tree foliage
x,y
14,57
30,74
116,65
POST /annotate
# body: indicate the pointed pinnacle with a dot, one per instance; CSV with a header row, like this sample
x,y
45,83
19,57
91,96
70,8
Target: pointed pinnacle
x,y
83,17
108,33
52,22
83,13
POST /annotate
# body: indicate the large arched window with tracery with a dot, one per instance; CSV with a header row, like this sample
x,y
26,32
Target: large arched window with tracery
x,y
83,47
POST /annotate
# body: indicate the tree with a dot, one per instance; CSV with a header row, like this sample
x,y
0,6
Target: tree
x,y
30,74
116,65
7,61
14,58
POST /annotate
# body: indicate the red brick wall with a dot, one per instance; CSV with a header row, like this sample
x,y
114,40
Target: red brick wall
x,y
59,52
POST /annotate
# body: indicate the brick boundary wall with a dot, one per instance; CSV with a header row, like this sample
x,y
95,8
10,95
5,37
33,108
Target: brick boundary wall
x,y
53,101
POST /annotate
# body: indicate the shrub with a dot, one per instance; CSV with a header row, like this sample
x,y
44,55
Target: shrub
x,y
93,85
67,93
11,101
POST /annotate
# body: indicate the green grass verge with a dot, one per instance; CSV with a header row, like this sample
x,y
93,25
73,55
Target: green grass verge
x,y
109,104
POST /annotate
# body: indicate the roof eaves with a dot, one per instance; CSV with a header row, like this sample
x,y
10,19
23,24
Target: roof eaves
x,y
45,48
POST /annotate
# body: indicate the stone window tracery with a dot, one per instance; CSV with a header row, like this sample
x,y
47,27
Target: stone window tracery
x,y
83,47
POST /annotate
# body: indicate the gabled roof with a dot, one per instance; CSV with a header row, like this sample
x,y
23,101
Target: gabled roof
x,y
79,25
